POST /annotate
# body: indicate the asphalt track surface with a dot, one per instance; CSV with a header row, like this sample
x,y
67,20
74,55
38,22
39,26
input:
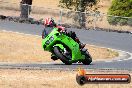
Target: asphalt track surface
x,y
120,41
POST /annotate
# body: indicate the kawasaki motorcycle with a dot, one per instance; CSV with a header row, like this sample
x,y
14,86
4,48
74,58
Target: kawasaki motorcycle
x,y
64,48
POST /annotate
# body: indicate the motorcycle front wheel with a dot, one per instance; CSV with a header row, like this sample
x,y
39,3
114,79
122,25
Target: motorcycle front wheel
x,y
62,57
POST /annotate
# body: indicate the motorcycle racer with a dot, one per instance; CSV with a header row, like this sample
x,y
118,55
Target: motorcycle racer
x,y
63,45
49,24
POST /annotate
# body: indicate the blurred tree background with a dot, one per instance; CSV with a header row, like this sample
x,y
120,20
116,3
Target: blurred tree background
x,y
78,5
120,8
81,6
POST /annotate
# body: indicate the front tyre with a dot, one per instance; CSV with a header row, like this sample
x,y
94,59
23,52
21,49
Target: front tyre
x,y
61,56
88,58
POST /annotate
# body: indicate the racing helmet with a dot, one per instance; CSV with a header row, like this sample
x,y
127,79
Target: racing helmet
x,y
49,22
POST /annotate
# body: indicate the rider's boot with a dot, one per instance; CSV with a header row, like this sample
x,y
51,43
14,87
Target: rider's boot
x,y
81,45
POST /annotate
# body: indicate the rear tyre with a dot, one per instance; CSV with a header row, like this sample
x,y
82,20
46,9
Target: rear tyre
x,y
61,56
88,58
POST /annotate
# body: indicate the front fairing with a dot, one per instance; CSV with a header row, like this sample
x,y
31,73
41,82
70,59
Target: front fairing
x,y
48,41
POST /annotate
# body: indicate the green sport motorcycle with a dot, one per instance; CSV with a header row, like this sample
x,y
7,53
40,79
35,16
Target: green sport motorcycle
x,y
64,48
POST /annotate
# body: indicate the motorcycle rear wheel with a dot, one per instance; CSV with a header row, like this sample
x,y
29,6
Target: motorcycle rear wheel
x,y
88,58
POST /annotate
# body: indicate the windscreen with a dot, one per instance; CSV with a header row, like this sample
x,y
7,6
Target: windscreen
x,y
47,31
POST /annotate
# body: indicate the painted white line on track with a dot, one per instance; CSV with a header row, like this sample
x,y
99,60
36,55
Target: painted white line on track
x,y
108,61
121,54
20,33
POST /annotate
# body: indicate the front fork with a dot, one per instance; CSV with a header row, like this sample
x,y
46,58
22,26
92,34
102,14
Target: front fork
x,y
53,56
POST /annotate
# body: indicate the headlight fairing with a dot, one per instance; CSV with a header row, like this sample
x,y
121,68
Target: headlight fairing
x,y
51,38
47,42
